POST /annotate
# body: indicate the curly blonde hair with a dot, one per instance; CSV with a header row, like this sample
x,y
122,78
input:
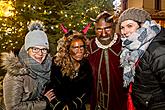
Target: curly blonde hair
x,y
62,57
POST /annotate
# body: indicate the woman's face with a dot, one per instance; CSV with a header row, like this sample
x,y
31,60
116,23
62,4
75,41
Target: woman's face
x,y
38,53
77,49
128,27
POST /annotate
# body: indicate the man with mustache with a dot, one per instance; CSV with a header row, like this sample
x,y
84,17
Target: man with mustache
x,y
105,48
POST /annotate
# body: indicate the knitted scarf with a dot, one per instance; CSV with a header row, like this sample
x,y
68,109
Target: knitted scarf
x,y
41,72
134,46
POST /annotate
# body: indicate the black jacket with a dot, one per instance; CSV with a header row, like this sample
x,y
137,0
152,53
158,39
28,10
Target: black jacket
x,y
149,80
72,92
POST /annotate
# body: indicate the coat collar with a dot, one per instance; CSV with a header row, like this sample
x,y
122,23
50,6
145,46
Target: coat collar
x,y
11,63
115,48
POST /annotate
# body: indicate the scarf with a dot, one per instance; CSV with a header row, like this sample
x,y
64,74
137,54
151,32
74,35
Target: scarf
x,y
41,72
134,46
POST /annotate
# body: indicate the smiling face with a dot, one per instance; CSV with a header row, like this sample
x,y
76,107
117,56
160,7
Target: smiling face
x,y
104,31
128,27
77,49
38,53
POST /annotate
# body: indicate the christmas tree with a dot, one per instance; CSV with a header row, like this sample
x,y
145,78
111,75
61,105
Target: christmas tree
x,y
73,14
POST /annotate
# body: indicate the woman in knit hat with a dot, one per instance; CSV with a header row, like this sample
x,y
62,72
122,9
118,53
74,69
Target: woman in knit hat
x,y
28,72
143,59
71,75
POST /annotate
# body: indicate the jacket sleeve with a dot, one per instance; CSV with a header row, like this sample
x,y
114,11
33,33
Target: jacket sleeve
x,y
14,95
158,64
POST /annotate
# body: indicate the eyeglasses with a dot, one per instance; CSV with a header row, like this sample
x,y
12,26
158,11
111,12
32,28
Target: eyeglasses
x,y
36,50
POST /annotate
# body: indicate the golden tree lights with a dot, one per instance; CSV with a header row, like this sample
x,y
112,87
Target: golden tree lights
x,y
6,9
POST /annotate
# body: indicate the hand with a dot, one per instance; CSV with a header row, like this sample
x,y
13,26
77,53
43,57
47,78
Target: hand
x,y
50,95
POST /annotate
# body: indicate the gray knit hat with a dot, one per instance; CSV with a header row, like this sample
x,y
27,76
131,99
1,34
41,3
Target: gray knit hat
x,y
135,14
36,36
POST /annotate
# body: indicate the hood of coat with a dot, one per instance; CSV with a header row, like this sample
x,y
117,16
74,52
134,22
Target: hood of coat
x,y
11,63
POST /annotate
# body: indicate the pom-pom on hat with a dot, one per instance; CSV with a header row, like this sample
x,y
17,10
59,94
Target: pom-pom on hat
x,y
36,36
135,14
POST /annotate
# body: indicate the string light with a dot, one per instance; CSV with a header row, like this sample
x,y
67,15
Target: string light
x,y
29,6
57,26
61,12
45,12
52,27
50,12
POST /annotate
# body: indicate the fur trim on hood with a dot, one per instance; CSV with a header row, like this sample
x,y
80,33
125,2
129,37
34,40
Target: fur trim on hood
x,y
11,63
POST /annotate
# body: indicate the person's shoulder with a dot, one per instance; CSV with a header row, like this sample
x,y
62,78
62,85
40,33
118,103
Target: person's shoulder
x,y
92,41
160,37
157,45
93,46
11,63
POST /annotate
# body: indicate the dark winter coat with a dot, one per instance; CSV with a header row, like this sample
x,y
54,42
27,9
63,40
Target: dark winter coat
x,y
149,81
71,92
